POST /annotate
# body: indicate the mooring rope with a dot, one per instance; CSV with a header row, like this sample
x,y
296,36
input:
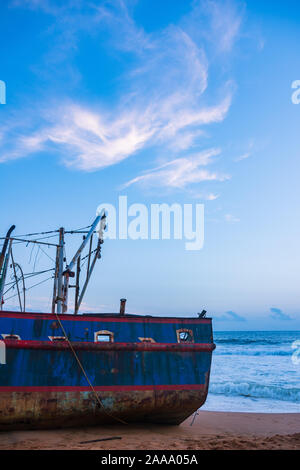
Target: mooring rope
x,y
85,374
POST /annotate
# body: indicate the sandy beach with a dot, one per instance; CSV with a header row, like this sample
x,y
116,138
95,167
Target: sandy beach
x,y
210,430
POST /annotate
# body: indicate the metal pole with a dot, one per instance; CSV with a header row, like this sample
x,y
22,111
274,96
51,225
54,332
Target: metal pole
x,y
2,254
23,282
94,225
60,296
68,271
55,281
89,273
89,257
4,272
77,286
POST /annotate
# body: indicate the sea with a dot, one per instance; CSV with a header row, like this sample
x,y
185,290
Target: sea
x,y
255,371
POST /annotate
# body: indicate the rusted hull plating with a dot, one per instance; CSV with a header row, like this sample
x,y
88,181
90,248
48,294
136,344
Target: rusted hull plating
x,y
37,410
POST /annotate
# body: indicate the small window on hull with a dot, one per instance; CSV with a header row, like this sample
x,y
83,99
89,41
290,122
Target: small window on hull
x,y
10,336
103,336
147,340
57,338
185,335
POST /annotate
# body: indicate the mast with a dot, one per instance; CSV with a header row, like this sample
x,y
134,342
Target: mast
x,y
60,296
4,248
4,271
4,259
68,272
57,298
88,276
76,307
97,256
55,282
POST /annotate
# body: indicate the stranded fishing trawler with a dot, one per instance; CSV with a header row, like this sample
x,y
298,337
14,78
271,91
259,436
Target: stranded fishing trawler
x,y
59,369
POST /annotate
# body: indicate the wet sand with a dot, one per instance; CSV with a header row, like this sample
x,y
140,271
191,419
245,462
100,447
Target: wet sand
x,y
210,430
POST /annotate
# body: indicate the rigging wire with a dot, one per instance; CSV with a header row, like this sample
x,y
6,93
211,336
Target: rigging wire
x,y
29,241
28,275
31,287
13,283
36,233
47,254
86,256
77,230
36,257
16,265
53,233
50,231
37,240
17,240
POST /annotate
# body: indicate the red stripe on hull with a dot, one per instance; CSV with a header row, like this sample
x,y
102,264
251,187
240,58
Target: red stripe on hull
x,y
71,317
89,346
108,388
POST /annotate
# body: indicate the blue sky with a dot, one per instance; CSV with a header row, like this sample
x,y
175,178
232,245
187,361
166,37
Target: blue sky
x,y
102,95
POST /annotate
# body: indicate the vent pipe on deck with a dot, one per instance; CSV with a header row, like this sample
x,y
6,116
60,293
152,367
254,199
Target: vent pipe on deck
x,y
122,306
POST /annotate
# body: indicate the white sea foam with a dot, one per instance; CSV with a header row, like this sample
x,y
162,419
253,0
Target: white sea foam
x,y
256,390
254,371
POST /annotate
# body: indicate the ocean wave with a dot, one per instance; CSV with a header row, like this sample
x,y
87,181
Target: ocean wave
x,y
245,341
254,390
220,352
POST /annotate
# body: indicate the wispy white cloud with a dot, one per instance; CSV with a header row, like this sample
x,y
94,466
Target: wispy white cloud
x,y
95,140
224,19
244,156
247,153
226,23
165,99
181,172
204,195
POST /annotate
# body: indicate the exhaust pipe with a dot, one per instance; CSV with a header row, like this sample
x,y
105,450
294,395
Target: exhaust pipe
x,y
122,306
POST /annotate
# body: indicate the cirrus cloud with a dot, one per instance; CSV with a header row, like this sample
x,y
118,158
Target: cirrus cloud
x,y
165,100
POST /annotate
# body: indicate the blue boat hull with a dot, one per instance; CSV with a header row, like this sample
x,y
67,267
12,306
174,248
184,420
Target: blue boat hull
x,y
143,374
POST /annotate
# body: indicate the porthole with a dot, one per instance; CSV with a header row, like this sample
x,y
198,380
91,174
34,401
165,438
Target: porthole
x,y
185,335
